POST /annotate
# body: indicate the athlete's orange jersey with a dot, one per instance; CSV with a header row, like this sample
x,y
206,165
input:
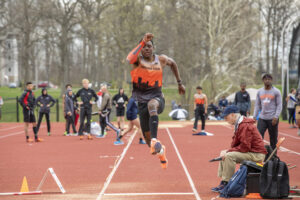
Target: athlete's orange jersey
x,y
199,99
147,75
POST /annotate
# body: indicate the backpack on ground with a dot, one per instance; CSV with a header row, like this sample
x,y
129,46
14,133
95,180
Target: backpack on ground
x,y
274,180
237,184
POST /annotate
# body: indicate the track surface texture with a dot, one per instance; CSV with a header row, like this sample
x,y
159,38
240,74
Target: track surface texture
x,y
97,169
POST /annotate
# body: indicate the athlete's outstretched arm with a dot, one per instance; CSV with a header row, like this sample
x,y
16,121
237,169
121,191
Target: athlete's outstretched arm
x,y
170,62
133,55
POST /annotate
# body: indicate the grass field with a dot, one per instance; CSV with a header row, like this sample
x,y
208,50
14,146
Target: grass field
x,y
9,108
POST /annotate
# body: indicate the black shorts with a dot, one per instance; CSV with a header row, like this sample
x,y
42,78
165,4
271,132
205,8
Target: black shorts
x,y
144,113
120,112
29,116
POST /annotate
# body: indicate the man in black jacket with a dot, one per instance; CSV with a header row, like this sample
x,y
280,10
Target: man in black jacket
x,y
27,100
45,102
242,100
119,100
86,94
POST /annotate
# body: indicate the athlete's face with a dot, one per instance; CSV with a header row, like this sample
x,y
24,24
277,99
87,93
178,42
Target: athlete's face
x,y
45,92
199,91
147,50
243,87
267,81
121,91
85,84
29,87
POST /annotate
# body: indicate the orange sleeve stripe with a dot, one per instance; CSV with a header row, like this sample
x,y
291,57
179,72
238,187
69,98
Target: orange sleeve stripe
x,y
133,55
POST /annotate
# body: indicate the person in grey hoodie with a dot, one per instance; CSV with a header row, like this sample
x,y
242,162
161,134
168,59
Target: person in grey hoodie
x,y
242,100
45,102
69,109
269,102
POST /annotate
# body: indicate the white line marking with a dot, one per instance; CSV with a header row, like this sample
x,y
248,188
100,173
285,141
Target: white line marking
x,y
148,194
297,138
113,171
17,133
184,167
283,149
11,128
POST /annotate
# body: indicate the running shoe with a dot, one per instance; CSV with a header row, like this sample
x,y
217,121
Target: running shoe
x,y
89,137
162,157
65,133
39,140
29,140
100,136
81,137
118,142
49,133
155,146
142,141
194,130
220,187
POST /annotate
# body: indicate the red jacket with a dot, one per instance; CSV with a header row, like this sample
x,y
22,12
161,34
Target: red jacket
x,y
247,138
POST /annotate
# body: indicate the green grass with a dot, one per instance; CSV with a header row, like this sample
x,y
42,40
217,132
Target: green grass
x,y
9,108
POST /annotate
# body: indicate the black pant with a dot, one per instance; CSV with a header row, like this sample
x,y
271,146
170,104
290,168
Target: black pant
x,y
263,125
244,113
291,115
85,112
199,113
104,121
70,121
47,115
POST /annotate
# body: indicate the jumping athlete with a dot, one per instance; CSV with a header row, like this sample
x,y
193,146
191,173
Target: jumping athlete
x,y
27,100
45,102
86,94
200,107
146,77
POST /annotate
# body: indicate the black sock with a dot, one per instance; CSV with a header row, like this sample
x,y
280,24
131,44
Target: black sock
x,y
120,136
35,132
153,123
27,137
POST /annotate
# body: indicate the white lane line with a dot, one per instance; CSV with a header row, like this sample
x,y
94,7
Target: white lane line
x,y
17,133
5,129
285,134
184,167
113,171
283,149
149,194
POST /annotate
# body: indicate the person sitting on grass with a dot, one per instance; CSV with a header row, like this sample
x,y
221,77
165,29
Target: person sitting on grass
x,y
247,144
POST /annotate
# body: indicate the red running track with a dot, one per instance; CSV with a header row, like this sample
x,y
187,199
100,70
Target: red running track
x,y
83,166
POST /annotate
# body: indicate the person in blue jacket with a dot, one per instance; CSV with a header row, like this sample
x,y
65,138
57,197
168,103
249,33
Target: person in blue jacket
x,y
131,115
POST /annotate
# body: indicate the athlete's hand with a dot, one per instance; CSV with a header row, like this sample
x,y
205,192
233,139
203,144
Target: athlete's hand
x,y
48,105
91,102
181,89
148,37
117,105
69,113
79,102
27,107
274,121
41,105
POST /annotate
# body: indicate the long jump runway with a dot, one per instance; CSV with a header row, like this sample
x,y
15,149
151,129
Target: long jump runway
x,y
99,170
